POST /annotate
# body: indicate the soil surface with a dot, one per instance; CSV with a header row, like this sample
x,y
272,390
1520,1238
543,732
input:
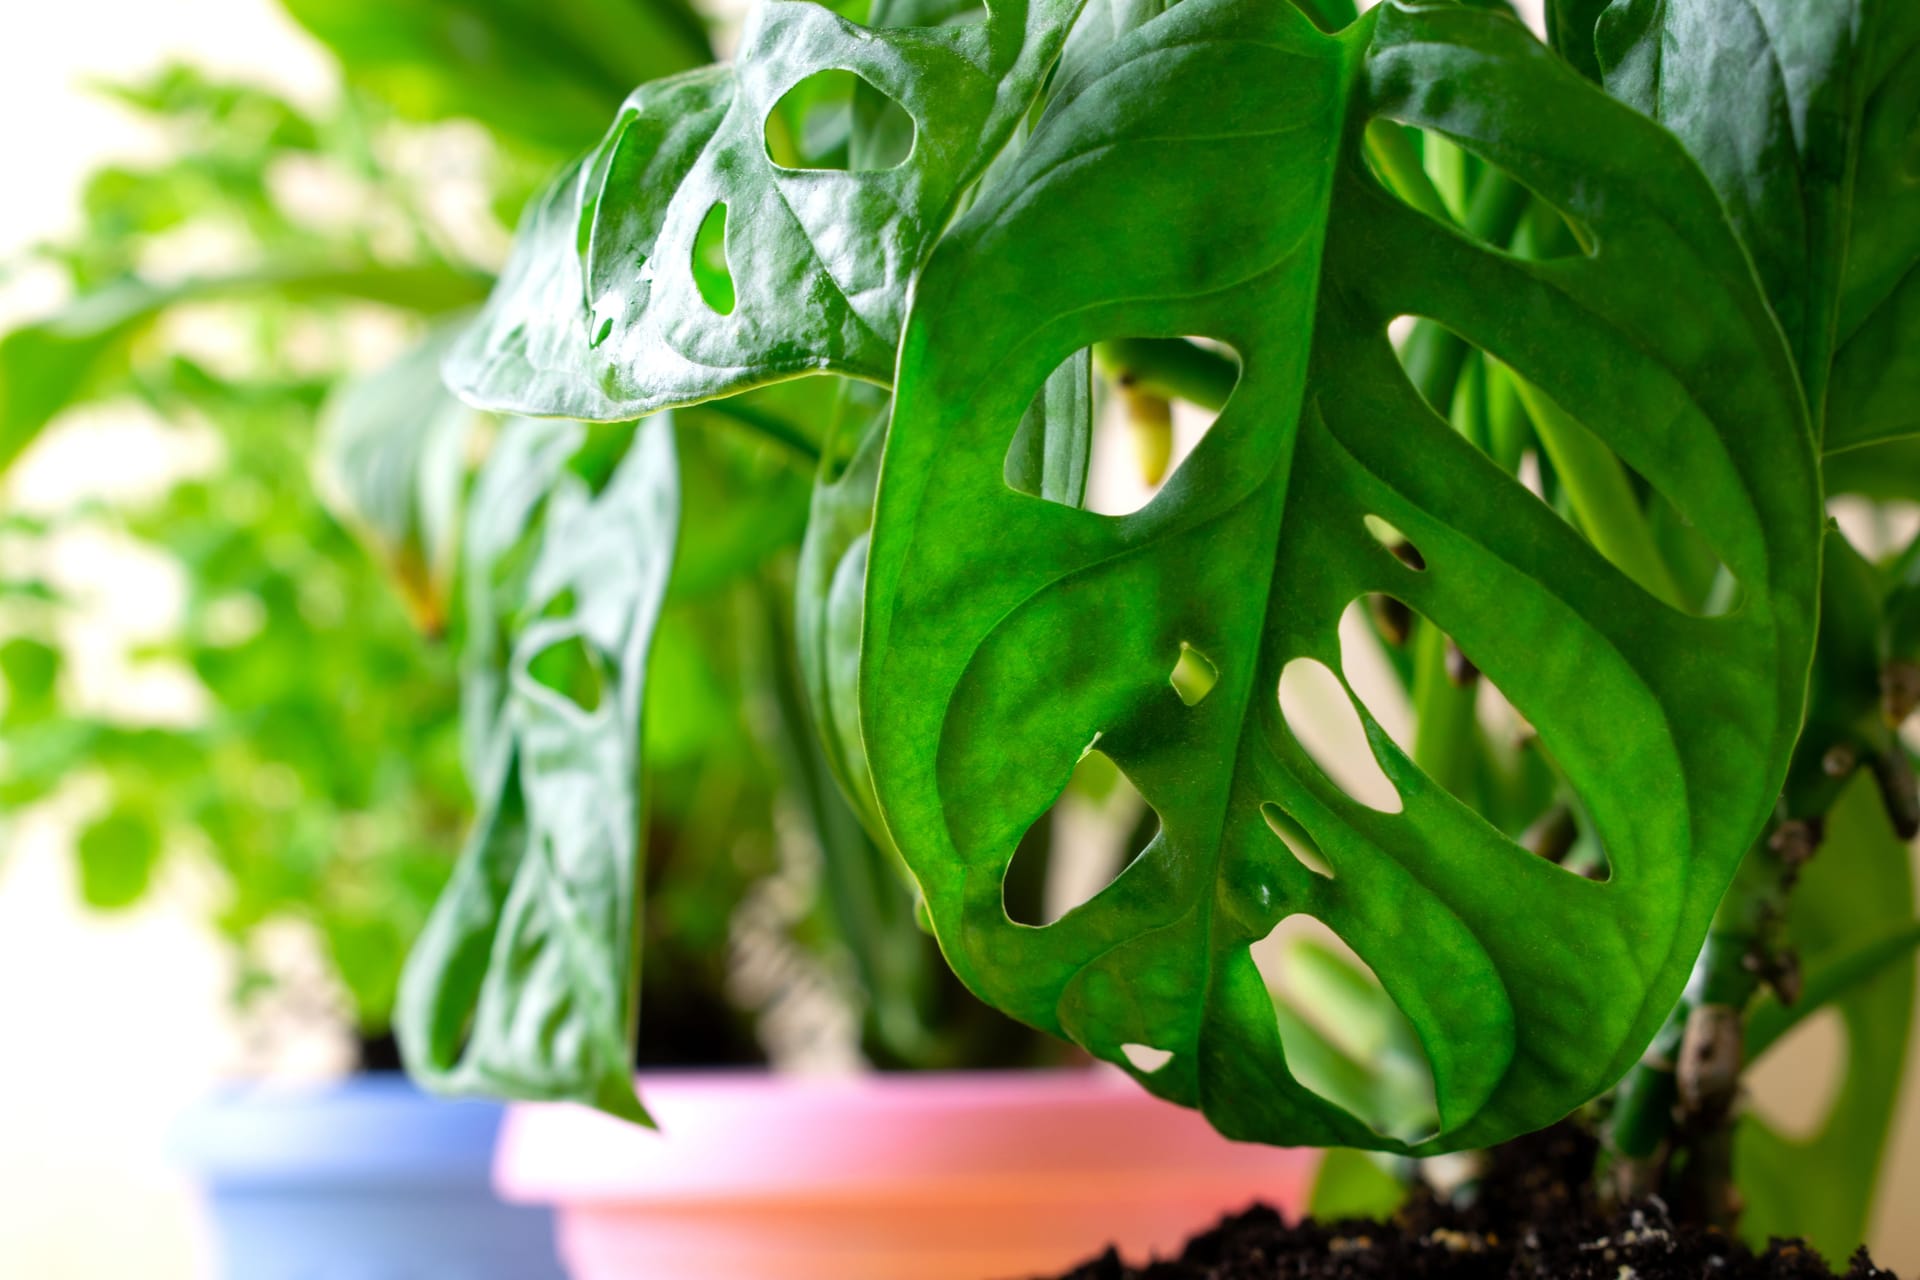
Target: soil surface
x,y
1530,1217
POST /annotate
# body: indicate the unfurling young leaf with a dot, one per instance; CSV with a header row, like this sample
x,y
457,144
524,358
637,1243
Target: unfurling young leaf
x,y
1207,177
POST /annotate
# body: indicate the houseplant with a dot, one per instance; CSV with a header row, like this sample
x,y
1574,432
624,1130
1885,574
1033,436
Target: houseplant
x,y
339,556
1545,355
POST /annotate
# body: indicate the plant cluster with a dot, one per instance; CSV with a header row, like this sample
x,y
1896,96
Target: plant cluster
x,y
1526,371
1541,361
358,555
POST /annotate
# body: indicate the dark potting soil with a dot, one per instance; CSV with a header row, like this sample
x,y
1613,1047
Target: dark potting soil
x,y
1636,1244
1529,1218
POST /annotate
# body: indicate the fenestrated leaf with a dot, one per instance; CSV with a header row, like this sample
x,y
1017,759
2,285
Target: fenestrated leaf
x,y
525,980
1221,143
600,314
1858,888
392,462
1807,119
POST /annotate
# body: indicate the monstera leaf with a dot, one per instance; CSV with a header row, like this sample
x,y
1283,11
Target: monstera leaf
x,y
1206,178
1807,119
678,262
524,982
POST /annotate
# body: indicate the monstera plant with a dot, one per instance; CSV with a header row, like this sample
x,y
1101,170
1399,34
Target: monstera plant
x,y
1530,366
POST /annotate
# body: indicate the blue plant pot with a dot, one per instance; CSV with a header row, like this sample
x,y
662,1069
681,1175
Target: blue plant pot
x,y
369,1179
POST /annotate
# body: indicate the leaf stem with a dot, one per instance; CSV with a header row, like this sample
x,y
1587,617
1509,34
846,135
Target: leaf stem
x,y
1603,499
1398,165
769,427
1172,368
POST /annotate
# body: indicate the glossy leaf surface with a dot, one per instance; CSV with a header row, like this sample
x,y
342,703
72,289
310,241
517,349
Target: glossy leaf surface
x,y
1005,634
1807,119
612,305
524,981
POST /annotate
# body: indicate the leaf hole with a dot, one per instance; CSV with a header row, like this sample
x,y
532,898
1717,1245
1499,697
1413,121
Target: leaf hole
x,y
1795,1085
1092,833
1320,714
837,121
1301,845
1146,1059
1397,544
1439,178
1344,1037
1115,423
1572,469
1194,675
1474,742
570,668
712,275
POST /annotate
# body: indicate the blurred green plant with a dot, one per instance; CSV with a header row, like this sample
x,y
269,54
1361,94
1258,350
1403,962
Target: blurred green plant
x,y
323,777
356,558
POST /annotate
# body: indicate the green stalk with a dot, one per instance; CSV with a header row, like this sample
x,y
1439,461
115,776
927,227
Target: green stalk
x,y
1398,165
1603,498
769,427
1443,714
1171,368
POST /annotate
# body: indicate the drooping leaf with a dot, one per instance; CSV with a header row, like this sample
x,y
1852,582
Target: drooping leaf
x,y
525,980
545,71
1859,886
1807,119
1221,143
392,462
677,262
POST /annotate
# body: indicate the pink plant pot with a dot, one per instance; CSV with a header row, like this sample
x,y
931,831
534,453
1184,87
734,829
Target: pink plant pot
x,y
905,1177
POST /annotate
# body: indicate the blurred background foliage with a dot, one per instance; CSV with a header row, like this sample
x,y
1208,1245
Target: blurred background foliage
x,y
276,291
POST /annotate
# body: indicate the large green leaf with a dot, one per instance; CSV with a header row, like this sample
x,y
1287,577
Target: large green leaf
x,y
545,70
604,312
1206,178
1807,119
1858,889
524,981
